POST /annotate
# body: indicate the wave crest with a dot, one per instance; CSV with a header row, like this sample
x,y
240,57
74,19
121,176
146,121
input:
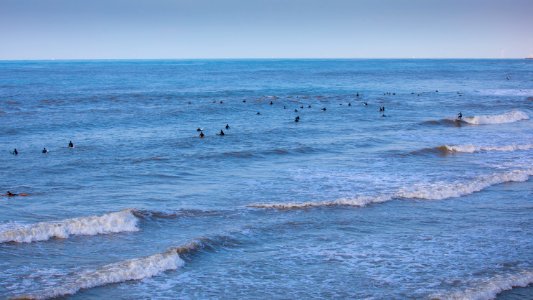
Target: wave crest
x,y
358,202
473,148
131,269
121,221
440,191
508,117
490,288
434,191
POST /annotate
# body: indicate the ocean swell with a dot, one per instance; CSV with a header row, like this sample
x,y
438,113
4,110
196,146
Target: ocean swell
x,y
490,288
508,117
131,269
121,221
432,191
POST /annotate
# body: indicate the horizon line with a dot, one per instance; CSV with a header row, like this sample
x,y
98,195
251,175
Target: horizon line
x,y
266,58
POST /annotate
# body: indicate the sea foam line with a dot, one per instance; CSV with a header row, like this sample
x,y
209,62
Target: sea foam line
x,y
433,191
474,148
131,269
121,221
490,288
508,117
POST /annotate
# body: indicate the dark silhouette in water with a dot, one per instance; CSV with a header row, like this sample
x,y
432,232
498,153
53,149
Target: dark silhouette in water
x,y
365,104
295,110
258,113
382,109
44,151
459,116
221,132
284,107
198,129
227,126
297,119
70,144
202,135
309,106
271,102
349,104
357,95
323,109
15,152
243,101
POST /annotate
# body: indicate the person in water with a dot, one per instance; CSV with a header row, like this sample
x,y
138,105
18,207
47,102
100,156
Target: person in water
x,y
297,119
459,116
70,144
44,151
323,109
202,135
221,132
15,152
227,126
10,194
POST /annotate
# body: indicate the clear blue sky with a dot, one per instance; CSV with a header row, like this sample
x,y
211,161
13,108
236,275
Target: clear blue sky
x,y
89,29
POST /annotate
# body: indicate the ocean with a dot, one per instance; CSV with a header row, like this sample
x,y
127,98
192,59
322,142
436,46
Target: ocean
x,y
348,202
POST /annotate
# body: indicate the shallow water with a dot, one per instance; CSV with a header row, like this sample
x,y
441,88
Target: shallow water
x,y
343,204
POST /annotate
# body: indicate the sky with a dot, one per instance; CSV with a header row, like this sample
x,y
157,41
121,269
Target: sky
x,y
160,29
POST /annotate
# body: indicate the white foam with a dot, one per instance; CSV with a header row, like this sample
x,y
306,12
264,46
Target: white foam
x,y
108,223
491,287
358,202
508,117
132,269
443,190
474,148
432,191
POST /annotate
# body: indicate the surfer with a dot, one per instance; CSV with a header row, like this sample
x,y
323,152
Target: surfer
x,y
459,116
271,102
227,126
10,194
44,151
198,129
15,152
202,135
221,132
70,144
323,109
297,119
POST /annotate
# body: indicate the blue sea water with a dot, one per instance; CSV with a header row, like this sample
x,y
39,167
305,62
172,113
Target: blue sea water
x,y
345,203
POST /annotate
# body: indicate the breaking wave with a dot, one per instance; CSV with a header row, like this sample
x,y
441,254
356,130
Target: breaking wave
x,y
434,191
508,117
446,149
358,202
490,288
114,222
131,269
443,190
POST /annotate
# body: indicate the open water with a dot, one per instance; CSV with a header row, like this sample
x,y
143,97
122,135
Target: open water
x,y
345,203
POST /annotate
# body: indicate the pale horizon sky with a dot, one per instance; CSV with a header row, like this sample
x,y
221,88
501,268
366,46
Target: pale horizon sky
x,y
175,29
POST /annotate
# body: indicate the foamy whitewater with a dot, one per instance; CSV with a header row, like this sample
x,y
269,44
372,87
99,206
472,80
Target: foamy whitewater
x,y
508,117
475,148
92,225
311,193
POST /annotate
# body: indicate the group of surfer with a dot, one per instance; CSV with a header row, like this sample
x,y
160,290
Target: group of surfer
x,y
44,151
221,133
16,152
